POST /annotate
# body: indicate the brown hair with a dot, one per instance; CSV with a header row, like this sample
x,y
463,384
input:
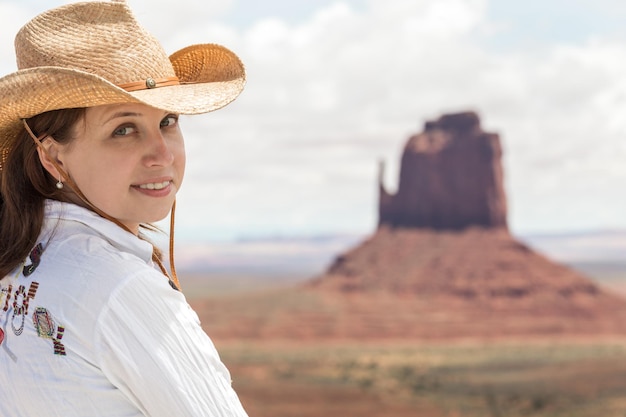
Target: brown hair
x,y
25,185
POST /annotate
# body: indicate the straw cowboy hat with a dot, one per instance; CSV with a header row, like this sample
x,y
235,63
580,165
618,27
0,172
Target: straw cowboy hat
x,y
93,53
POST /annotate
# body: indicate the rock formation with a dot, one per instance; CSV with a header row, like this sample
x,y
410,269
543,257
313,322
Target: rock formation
x,y
444,233
441,264
450,178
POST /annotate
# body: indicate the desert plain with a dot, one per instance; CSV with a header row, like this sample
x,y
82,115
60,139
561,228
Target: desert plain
x,y
292,374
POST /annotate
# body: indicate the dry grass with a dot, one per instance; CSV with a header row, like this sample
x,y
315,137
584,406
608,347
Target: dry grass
x,y
286,360
504,379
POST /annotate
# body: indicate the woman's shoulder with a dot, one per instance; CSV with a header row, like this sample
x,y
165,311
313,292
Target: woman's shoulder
x,y
77,260
78,248
83,260
90,242
80,271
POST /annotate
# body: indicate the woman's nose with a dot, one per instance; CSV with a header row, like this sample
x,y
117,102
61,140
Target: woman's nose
x,y
159,152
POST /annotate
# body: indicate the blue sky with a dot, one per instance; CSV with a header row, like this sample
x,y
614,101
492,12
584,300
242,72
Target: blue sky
x,y
334,86
534,22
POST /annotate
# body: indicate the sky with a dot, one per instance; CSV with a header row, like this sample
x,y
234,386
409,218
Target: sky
x,y
335,86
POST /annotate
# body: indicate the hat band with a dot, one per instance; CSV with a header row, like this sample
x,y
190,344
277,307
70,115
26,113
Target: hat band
x,y
149,83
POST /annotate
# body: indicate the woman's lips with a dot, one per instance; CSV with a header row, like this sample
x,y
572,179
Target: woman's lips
x,y
154,185
155,189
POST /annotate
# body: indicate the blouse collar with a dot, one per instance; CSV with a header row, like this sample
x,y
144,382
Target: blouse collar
x,y
118,237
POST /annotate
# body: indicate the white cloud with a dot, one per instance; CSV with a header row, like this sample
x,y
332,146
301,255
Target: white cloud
x,y
12,17
330,95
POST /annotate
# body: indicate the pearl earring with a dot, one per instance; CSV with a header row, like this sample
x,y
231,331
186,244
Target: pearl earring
x,y
59,184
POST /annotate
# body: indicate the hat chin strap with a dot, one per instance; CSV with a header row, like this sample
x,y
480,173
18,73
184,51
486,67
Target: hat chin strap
x,y
173,278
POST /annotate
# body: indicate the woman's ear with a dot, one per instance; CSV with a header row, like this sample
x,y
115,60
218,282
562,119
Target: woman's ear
x,y
48,151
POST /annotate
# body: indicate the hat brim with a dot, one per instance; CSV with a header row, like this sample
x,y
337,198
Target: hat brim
x,y
204,87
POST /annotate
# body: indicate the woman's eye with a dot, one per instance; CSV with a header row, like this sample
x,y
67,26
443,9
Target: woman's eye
x,y
169,120
123,131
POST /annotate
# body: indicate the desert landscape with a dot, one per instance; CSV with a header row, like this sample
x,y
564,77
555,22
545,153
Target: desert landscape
x,y
439,312
538,375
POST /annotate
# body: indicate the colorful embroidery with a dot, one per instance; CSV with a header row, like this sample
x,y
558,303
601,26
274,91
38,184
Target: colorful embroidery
x,y
5,294
59,348
18,330
1,336
43,323
46,328
20,306
35,258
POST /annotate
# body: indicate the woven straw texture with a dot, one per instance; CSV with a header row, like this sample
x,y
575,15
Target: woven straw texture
x,y
76,55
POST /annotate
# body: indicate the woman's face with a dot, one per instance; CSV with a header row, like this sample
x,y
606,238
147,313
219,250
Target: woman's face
x,y
128,160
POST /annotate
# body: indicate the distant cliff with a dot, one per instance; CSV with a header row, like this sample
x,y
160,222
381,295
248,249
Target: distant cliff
x,y
450,178
441,265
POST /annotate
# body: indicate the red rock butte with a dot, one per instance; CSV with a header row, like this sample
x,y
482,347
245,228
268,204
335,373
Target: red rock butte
x,y
450,178
441,264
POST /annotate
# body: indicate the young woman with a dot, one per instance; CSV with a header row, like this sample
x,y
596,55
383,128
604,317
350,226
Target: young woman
x,y
91,323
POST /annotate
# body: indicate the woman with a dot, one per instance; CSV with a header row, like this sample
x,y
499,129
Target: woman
x,y
91,324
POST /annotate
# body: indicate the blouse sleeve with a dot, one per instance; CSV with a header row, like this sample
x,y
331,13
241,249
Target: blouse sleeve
x,y
150,345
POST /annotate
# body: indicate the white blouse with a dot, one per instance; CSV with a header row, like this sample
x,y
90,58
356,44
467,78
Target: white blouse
x,y
88,327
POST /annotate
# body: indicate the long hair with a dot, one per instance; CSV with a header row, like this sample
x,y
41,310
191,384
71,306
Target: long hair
x,y
25,185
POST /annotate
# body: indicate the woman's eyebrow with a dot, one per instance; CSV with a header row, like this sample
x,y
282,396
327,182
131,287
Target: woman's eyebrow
x,y
122,114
